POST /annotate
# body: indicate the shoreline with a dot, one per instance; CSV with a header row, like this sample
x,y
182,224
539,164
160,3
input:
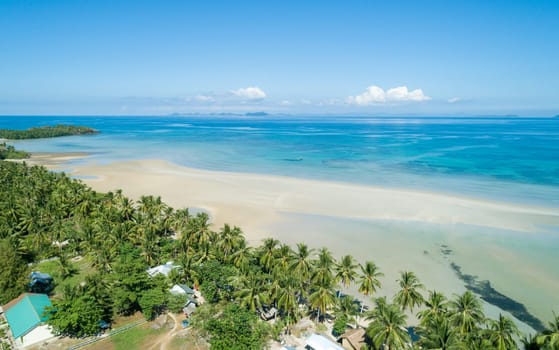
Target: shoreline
x,y
317,213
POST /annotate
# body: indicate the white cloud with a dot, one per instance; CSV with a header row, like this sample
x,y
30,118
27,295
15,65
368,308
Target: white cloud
x,y
377,95
454,100
204,98
250,93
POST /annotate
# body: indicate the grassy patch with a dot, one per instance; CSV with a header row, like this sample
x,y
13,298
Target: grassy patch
x,y
80,270
135,338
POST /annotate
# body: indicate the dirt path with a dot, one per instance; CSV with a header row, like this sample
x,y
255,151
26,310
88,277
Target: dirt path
x,y
162,342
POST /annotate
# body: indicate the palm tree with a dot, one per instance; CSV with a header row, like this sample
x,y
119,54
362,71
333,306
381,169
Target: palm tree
x,y
438,333
323,268
388,327
229,240
369,278
348,307
502,333
301,265
549,338
409,295
268,253
466,312
345,270
282,257
241,258
252,294
286,297
322,298
437,306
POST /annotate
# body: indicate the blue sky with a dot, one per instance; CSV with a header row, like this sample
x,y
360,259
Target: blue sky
x,y
323,57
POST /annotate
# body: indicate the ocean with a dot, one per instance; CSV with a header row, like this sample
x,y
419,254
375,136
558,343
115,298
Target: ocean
x,y
504,159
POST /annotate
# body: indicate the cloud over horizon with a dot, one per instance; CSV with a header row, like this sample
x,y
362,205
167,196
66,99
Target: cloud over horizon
x,y
250,93
376,95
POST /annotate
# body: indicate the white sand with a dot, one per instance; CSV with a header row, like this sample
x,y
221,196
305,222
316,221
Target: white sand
x,y
246,199
297,210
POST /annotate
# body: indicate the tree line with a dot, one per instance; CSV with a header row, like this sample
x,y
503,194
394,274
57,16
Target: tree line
x,y
119,239
46,132
10,152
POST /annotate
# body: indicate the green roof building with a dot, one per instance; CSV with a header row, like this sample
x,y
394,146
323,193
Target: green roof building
x,y
25,313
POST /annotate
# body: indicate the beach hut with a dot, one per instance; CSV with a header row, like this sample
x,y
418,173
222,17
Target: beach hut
x,y
353,339
25,316
164,269
319,342
181,289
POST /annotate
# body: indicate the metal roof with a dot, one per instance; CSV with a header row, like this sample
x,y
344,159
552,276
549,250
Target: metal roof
x,y
26,312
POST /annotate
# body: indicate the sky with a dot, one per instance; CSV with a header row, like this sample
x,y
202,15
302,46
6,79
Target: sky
x,y
312,57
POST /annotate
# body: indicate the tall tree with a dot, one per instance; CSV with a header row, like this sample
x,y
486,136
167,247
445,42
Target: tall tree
x,y
502,333
409,295
466,312
436,306
387,329
345,270
13,272
369,278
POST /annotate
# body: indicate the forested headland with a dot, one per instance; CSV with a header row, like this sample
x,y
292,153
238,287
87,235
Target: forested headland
x,y
10,152
46,132
97,246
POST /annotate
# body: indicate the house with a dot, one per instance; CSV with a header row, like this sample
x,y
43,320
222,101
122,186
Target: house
x,y
25,316
353,339
319,342
189,308
181,289
164,269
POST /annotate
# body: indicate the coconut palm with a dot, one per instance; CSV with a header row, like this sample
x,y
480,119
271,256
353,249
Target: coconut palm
x,y
409,295
301,264
388,327
466,312
282,259
436,306
502,333
268,250
369,278
252,294
322,298
345,270
229,239
323,267
438,333
241,258
347,306
549,338
286,297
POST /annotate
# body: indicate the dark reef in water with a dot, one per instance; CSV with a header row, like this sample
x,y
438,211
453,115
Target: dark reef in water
x,y
492,296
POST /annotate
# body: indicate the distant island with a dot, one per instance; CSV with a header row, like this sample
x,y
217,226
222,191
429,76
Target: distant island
x,y
46,132
256,114
9,152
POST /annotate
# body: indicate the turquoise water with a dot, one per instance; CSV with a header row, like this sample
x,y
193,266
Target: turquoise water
x,y
514,159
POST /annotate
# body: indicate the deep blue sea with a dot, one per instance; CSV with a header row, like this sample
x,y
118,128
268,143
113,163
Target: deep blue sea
x,y
505,158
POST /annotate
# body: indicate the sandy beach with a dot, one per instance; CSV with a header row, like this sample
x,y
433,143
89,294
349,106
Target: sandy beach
x,y
399,230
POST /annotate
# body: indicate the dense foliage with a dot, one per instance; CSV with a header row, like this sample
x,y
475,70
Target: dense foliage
x,y
9,152
46,131
117,239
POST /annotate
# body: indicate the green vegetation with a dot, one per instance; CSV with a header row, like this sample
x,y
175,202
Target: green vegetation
x,y
118,239
9,152
45,132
